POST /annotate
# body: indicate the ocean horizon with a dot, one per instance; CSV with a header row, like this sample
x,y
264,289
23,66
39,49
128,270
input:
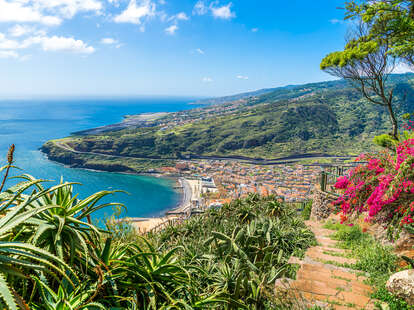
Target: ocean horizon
x,y
29,123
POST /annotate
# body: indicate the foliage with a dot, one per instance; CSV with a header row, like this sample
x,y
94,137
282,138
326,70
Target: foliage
x,y
383,186
385,141
242,248
367,64
307,210
391,19
53,257
393,302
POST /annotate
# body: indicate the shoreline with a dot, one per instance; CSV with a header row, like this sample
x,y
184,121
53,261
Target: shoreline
x,y
148,224
163,214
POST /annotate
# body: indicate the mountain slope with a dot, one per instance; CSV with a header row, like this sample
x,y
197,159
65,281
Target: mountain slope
x,y
327,117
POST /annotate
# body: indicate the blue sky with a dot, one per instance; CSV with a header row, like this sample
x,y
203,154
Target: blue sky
x,y
163,47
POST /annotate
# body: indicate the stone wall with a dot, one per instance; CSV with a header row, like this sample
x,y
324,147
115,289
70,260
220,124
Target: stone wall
x,y
322,205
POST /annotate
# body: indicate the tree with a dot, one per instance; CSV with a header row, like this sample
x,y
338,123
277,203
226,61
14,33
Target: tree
x,y
391,19
367,64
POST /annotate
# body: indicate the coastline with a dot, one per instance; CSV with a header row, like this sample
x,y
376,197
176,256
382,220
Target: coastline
x,y
143,224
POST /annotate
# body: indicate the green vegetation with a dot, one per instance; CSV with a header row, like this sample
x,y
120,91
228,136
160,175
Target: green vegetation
x,y
307,210
53,257
367,65
378,261
389,19
320,118
97,162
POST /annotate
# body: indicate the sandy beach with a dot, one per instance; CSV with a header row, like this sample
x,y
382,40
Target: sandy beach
x,y
144,225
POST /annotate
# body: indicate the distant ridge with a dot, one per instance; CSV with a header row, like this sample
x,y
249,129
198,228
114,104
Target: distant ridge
x,y
283,90
225,99
330,118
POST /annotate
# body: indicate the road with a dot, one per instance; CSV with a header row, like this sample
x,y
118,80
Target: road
x,y
255,161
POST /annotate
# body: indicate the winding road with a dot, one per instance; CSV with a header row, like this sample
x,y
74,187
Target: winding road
x,y
256,161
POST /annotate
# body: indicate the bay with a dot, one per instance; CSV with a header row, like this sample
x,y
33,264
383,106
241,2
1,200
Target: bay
x,y
28,123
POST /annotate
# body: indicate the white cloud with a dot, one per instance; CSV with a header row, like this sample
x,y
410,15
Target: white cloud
x,y
207,80
200,51
402,68
200,8
109,41
8,44
55,44
255,29
18,12
8,54
181,16
223,12
242,77
336,21
68,8
25,57
134,13
172,29
20,30
47,12
114,2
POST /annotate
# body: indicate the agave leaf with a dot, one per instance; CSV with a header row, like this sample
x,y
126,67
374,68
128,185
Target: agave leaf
x,y
6,294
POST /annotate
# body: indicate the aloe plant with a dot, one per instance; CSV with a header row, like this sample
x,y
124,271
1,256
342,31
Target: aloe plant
x,y
153,277
64,228
16,256
53,257
66,297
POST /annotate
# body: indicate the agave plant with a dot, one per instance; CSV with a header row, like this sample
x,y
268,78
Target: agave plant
x,y
17,257
64,228
154,278
67,297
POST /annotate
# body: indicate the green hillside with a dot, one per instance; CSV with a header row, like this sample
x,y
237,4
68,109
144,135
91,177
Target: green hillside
x,y
328,117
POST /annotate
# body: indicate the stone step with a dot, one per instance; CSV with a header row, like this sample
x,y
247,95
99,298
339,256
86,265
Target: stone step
x,y
317,254
355,286
352,298
309,263
320,282
331,249
326,242
322,231
325,277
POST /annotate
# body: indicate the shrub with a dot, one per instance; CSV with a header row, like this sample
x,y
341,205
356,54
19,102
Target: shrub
x,y
382,186
53,257
307,210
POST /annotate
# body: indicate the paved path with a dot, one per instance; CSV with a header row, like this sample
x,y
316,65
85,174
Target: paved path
x,y
320,281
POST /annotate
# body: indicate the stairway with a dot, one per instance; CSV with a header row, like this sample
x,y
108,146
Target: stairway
x,y
322,280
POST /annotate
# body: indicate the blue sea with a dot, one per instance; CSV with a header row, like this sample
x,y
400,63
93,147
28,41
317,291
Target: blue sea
x,y
30,123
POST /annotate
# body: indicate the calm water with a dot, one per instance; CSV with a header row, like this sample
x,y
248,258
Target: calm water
x,y
30,123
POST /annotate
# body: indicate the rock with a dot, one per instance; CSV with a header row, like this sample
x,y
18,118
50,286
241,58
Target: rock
x,y
283,284
322,205
403,263
405,242
401,284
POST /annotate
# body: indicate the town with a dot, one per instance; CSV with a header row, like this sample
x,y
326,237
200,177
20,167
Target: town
x,y
212,183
